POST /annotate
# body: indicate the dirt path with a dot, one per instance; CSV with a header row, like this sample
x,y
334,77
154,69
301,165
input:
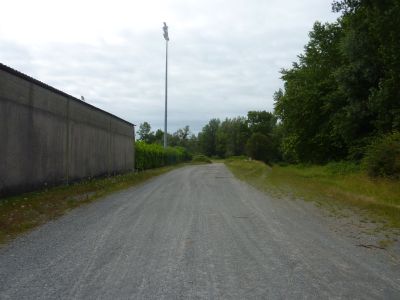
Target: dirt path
x,y
194,233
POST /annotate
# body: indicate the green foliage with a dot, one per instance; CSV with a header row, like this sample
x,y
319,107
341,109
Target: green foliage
x,y
159,137
181,138
208,137
234,158
334,185
261,121
383,157
148,156
310,98
261,147
288,148
145,134
229,138
344,91
232,136
200,158
342,168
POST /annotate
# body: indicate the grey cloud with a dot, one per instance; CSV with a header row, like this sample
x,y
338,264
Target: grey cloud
x,y
225,58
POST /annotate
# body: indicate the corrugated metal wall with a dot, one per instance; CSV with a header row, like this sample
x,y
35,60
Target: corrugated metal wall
x,y
48,137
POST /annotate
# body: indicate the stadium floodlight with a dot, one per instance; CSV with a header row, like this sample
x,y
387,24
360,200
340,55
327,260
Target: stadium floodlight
x,y
166,37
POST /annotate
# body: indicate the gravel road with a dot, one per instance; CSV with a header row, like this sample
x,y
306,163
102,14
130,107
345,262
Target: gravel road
x,y
194,233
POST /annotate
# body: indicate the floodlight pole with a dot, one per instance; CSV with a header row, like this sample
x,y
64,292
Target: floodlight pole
x,y
166,37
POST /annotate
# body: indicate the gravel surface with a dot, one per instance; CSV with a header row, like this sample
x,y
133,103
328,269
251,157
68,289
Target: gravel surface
x,y
194,233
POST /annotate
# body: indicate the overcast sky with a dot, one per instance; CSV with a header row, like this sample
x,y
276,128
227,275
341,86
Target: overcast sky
x,y
224,55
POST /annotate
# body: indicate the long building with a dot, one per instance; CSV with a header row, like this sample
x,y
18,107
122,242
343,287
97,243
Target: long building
x,y
48,137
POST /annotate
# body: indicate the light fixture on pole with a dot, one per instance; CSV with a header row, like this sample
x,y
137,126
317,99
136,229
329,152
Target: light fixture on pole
x,y
166,37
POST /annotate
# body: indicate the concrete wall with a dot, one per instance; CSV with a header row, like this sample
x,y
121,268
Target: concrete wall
x,y
48,137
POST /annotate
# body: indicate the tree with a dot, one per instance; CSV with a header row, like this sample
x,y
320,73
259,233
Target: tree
x,y
370,75
232,136
183,133
261,121
311,100
145,133
343,91
260,147
159,137
179,137
208,137
193,144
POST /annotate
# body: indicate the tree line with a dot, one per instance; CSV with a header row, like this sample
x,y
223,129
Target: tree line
x,y
340,100
255,135
344,90
183,137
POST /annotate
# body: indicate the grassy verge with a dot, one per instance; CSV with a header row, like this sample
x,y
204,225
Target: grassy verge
x,y
21,213
201,159
334,185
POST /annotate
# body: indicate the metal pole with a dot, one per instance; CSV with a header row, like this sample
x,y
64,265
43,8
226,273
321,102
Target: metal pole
x,y
166,93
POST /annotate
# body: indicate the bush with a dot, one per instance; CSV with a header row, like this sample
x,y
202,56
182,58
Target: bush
x,y
261,147
201,159
382,158
148,156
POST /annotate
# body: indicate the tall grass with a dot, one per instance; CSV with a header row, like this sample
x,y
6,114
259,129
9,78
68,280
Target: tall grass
x,y
333,184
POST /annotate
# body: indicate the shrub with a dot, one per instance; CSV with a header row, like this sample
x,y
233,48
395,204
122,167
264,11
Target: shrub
x,y
148,156
261,147
201,159
382,158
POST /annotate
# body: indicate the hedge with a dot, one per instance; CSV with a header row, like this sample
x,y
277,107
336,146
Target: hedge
x,y
148,156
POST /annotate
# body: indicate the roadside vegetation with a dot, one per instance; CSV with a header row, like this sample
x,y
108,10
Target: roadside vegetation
x,y
340,100
19,214
22,213
334,133
149,156
335,128
334,186
199,158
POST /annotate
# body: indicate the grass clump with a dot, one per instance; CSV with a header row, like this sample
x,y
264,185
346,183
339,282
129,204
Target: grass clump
x,y
201,159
